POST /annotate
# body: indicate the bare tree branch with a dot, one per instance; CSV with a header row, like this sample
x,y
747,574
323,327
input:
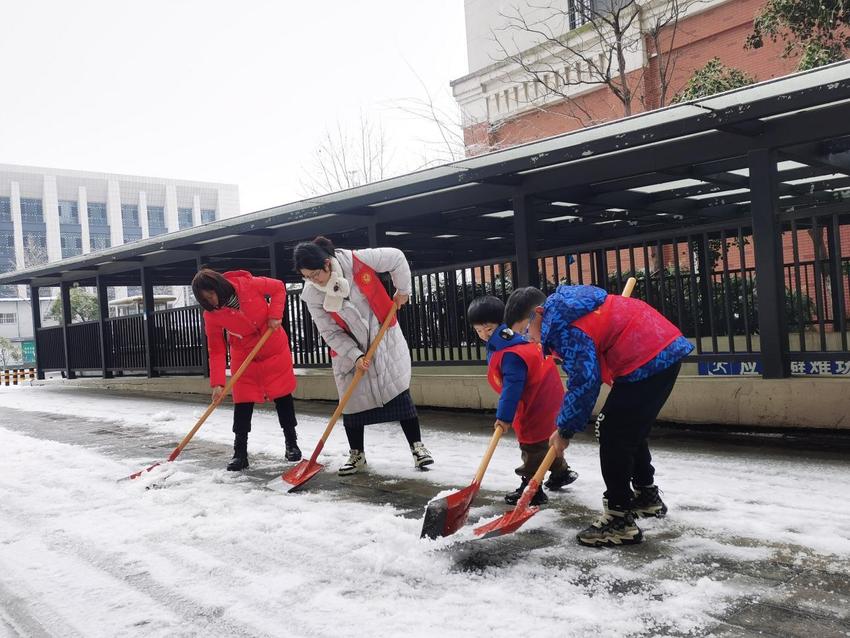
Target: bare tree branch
x,y
586,44
345,160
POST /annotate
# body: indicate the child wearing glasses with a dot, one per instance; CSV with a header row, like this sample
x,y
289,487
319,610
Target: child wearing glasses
x,y
530,391
627,344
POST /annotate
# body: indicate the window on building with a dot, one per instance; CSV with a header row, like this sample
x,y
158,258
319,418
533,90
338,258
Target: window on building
x,y
129,215
68,212
184,218
8,265
35,248
7,243
97,214
133,291
8,317
156,220
5,209
132,233
31,210
207,215
99,241
72,244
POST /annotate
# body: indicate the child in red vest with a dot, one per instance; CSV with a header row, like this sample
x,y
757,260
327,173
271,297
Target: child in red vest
x,y
530,394
627,344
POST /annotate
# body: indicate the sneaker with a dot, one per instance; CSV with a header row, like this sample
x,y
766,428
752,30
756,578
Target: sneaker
x,y
293,452
512,498
421,455
557,480
647,503
616,526
356,462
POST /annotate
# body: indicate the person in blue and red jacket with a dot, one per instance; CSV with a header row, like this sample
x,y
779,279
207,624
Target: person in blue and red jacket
x,y
627,344
244,306
530,394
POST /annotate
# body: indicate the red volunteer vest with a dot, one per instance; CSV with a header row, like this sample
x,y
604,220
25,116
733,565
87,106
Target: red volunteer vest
x,y
368,282
627,334
543,394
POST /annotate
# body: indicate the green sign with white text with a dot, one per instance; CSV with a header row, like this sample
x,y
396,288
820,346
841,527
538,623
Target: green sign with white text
x,y
28,351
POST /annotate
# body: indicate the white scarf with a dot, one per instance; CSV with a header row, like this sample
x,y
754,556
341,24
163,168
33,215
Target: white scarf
x,y
337,288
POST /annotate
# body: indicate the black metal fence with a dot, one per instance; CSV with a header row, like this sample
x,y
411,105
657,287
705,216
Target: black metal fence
x,y
178,340
704,280
51,348
84,346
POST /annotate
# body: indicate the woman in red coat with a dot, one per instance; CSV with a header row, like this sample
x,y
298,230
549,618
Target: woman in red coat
x,y
236,302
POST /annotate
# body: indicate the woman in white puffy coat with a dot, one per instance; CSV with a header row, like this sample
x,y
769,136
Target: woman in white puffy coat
x,y
348,304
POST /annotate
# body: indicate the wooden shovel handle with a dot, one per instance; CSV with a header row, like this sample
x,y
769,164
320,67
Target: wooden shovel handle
x,y
227,388
358,374
494,441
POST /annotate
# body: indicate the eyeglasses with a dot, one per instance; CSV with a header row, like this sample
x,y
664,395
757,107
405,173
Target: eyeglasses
x,y
313,275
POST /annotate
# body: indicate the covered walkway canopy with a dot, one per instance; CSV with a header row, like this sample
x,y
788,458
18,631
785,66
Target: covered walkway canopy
x,y
698,200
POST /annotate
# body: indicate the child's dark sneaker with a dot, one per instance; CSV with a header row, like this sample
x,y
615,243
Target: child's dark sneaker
x,y
616,526
512,498
648,503
557,480
540,498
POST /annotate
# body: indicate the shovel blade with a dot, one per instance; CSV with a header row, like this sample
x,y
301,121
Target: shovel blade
x,y
444,516
302,473
140,472
507,523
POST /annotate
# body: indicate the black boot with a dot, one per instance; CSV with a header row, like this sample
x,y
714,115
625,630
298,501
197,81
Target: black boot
x,y
293,452
240,453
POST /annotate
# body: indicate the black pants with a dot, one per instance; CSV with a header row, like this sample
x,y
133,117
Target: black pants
x,y
623,426
410,427
285,407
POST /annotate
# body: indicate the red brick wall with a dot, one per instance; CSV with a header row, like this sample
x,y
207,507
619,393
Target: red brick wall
x,y
719,32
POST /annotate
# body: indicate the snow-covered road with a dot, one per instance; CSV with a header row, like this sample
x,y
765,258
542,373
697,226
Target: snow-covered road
x,y
211,553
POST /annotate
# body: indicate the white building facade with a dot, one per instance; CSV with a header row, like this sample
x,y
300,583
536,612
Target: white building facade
x,y
50,214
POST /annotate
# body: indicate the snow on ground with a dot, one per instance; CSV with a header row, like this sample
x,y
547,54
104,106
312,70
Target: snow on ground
x,y
217,554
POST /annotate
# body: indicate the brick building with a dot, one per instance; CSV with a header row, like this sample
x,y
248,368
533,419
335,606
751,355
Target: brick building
x,y
504,104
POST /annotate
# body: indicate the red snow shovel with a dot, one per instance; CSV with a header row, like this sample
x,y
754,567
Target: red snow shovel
x,y
514,519
233,379
308,468
444,516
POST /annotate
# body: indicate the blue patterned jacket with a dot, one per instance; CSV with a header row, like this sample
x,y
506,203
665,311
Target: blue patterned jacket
x,y
580,360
